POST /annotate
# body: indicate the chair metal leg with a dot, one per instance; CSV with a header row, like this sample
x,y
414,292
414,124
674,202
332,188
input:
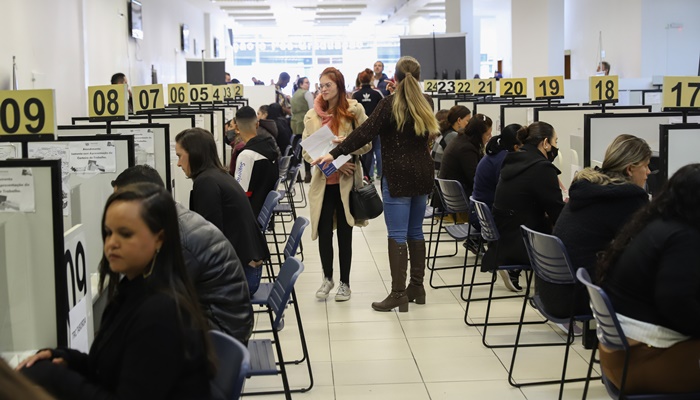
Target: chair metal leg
x,y
590,370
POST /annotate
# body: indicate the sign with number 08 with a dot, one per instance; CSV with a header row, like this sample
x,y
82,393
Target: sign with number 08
x,y
108,102
681,92
603,89
27,112
148,98
179,94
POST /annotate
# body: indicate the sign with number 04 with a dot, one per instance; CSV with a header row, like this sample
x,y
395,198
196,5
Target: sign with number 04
x,y
108,102
27,112
148,98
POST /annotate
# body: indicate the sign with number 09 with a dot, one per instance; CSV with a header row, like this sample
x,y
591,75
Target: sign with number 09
x,y
681,92
549,87
179,94
76,265
108,102
27,112
148,98
603,89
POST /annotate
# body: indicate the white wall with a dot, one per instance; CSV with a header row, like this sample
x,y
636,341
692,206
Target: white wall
x,y
619,21
68,45
666,50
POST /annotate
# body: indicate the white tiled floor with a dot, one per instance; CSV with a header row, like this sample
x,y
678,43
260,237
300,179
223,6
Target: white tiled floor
x,y
427,353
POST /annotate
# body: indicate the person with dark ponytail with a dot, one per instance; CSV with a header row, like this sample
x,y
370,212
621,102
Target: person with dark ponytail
x,y
651,273
527,193
404,121
488,171
369,97
457,118
463,153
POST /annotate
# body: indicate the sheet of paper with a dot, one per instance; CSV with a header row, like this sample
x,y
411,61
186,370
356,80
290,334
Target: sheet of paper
x,y
319,144
17,190
93,157
60,151
78,326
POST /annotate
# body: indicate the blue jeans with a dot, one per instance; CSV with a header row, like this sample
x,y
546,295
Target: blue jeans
x,y
403,215
253,275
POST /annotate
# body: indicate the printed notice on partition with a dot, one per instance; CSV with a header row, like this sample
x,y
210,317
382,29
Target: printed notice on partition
x,y
78,326
55,151
16,190
8,151
144,149
93,157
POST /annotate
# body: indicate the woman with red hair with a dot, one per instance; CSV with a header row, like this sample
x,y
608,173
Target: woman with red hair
x,y
329,197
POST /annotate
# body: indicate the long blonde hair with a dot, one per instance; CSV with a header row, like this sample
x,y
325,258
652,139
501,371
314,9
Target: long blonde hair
x,y
408,99
623,152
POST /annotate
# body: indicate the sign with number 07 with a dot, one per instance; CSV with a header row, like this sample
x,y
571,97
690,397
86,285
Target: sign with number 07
x,y
148,98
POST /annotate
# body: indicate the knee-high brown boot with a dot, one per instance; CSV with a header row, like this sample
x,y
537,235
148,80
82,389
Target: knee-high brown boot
x,y
398,262
415,290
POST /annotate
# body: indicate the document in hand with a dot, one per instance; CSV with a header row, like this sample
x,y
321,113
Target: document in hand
x,y
319,144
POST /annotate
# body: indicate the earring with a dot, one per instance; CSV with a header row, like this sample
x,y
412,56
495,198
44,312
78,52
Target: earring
x,y
153,263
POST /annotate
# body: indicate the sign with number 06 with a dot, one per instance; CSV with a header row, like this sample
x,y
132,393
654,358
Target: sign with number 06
x,y
179,94
27,112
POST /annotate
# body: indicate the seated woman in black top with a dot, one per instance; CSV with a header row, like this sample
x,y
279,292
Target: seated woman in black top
x,y
464,152
600,203
651,273
218,198
152,342
527,194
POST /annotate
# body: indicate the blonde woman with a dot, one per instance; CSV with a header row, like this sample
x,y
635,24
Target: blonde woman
x,y
404,122
329,197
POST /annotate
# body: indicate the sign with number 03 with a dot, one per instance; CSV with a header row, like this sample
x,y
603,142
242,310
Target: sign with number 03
x,y
179,94
27,112
148,98
603,89
201,94
108,102
681,92
549,87
513,87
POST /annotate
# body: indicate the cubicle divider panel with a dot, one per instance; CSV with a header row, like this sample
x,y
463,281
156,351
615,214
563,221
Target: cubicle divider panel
x,y
33,279
568,124
679,147
89,165
491,110
599,130
151,143
523,113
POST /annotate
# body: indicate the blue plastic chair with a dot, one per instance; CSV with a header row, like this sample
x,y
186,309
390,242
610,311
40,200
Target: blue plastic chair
x,y
550,262
262,359
489,232
267,226
454,201
232,368
611,335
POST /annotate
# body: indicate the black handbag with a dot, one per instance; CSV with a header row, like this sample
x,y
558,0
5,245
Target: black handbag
x,y
365,202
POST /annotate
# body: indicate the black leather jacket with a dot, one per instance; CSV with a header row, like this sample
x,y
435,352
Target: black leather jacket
x,y
217,275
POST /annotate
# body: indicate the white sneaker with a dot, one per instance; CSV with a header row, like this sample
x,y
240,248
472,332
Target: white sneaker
x,y
343,293
325,288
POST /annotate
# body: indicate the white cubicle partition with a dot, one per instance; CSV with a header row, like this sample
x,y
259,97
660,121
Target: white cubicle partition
x,y
568,124
259,95
679,147
524,113
33,290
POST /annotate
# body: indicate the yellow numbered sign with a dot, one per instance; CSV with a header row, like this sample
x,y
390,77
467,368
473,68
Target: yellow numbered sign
x,y
484,87
430,85
217,93
148,98
201,94
513,87
603,89
108,102
237,89
549,87
463,86
681,92
179,94
226,92
27,112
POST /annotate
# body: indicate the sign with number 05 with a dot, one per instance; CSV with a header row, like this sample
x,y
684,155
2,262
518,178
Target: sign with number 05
x,y
108,102
148,98
27,112
603,89
179,94
513,87
681,92
201,94
549,87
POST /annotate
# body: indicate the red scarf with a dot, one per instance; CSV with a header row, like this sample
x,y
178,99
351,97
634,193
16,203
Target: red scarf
x,y
324,115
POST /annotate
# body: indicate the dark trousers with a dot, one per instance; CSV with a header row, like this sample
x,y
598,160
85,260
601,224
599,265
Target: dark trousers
x,y
332,209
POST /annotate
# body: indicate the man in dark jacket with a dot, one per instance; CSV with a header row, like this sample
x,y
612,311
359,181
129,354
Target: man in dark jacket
x,y
256,166
380,79
211,262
